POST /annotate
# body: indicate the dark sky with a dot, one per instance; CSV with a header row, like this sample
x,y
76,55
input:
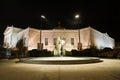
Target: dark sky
x,y
101,15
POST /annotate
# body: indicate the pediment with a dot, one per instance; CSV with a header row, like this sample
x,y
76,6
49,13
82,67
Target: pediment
x,y
106,34
7,29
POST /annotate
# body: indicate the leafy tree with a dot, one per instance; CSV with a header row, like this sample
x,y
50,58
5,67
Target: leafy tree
x,y
20,47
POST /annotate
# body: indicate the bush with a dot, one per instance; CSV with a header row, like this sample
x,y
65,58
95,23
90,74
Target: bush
x,y
68,53
116,53
107,49
33,53
45,53
75,52
2,52
85,52
39,53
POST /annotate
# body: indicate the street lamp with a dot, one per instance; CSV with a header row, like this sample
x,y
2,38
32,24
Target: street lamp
x,y
43,17
77,20
77,16
40,45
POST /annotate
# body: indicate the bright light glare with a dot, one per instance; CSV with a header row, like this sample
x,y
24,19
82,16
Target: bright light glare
x,y
77,16
42,16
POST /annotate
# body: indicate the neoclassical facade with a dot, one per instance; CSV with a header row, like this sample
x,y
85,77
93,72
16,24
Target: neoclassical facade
x,y
46,39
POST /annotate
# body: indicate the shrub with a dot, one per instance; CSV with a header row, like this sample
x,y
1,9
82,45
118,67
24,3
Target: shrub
x,y
74,52
68,53
85,52
2,52
107,49
39,53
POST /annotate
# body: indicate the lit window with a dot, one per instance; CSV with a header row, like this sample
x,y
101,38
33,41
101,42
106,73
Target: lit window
x,y
46,41
72,41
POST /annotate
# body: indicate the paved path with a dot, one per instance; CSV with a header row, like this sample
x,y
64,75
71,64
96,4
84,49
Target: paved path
x,y
109,69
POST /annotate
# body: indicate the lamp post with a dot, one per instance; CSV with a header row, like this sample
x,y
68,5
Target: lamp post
x,y
42,17
77,16
40,46
77,20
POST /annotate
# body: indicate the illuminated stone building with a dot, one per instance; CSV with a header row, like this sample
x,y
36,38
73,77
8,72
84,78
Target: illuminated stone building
x,y
46,39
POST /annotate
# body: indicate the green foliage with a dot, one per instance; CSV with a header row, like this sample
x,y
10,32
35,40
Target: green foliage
x,y
2,52
20,48
33,53
20,44
75,52
39,53
106,49
85,52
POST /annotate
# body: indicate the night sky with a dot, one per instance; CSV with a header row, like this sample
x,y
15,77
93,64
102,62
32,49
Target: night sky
x,y
101,15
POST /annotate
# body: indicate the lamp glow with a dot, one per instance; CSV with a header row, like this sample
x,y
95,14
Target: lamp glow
x,y
42,16
77,16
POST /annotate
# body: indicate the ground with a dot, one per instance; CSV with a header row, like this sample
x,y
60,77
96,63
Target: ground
x,y
109,69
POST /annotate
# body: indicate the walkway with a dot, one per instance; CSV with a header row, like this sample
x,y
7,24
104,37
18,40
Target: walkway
x,y
109,69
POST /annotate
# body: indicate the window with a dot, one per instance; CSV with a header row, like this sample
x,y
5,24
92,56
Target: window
x,y
46,41
54,41
72,41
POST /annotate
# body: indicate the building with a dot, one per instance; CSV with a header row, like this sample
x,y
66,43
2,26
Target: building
x,y
78,39
11,36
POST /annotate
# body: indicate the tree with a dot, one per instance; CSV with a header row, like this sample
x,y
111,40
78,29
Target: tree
x,y
20,47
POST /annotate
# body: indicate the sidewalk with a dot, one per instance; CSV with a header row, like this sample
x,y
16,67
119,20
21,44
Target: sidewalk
x,y
109,69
